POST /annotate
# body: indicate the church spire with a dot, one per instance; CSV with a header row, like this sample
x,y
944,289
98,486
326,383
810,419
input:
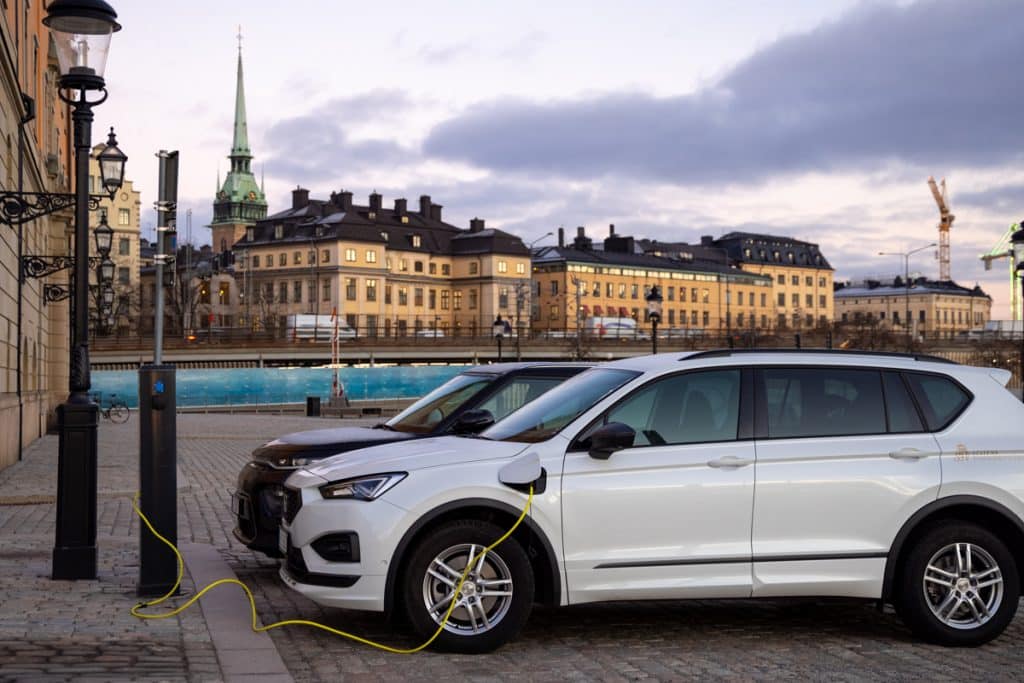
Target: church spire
x,y
241,155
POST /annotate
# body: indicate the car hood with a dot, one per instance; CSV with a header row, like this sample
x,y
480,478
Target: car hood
x,y
321,443
414,455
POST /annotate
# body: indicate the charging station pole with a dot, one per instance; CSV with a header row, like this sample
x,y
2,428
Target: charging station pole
x,y
158,438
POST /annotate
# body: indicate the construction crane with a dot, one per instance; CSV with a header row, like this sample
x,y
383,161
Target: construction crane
x,y
1003,249
945,223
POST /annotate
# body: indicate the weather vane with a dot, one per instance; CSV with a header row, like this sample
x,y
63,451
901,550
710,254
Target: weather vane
x,y
239,39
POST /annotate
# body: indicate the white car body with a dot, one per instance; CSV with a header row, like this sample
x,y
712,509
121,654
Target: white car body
x,y
829,516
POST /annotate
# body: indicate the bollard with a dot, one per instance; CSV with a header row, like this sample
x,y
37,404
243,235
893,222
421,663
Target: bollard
x,y
158,477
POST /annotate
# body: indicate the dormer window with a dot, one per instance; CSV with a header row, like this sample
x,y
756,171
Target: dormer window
x,y
372,215
250,234
776,256
319,231
789,256
405,219
416,241
278,231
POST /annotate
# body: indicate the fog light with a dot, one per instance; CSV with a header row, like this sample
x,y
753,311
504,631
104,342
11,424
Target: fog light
x,y
339,547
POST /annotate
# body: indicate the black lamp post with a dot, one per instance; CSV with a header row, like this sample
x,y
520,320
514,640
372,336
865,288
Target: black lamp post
x,y
906,284
498,328
654,314
81,31
1017,243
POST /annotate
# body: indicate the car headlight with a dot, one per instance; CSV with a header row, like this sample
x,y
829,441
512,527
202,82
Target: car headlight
x,y
302,462
362,488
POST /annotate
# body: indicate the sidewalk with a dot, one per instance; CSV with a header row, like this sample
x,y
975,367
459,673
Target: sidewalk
x,y
82,630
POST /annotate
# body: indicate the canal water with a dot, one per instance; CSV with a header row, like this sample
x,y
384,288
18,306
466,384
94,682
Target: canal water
x,y
247,386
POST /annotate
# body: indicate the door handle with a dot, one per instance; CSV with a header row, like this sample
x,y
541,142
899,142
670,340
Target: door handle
x,y
730,462
907,454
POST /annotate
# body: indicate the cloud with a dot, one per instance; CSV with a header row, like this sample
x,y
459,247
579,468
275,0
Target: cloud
x,y
1000,197
934,83
443,54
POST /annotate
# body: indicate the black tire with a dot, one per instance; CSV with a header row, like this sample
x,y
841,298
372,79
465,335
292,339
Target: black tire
x,y
974,606
508,561
119,413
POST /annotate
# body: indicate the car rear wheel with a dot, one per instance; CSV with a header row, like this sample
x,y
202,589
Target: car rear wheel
x,y
959,585
494,601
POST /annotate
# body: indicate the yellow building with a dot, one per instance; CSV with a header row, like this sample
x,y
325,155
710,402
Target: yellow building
x,y
572,282
801,276
387,272
937,309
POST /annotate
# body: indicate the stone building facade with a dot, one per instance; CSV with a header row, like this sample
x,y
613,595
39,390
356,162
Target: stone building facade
x,y
938,309
35,156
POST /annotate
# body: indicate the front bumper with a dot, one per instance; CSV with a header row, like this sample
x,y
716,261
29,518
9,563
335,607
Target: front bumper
x,y
378,525
256,504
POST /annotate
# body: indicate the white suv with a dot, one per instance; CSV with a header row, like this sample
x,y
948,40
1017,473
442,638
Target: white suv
x,y
722,474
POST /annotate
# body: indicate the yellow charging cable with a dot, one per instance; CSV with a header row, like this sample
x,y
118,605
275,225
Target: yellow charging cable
x,y
304,622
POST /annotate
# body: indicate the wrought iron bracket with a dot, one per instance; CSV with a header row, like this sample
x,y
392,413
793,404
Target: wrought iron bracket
x,y
36,266
54,293
18,208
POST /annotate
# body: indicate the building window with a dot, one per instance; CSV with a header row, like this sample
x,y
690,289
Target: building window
x,y
671,292
502,266
821,282
821,301
432,299
124,217
553,312
472,299
446,269
268,292
350,288
282,292
782,279
224,293
432,269
296,291
350,255
456,300
809,300
282,259
796,300
417,296
445,294
705,296
795,280
764,299
503,297
387,295
609,289
693,297
325,257
268,260
706,318
809,281
782,298
472,267
296,258
403,265
554,288
124,246
371,256
278,231
634,291
371,290
417,266
597,289
521,269
403,296
250,234
311,291
416,241
325,294
622,290
123,275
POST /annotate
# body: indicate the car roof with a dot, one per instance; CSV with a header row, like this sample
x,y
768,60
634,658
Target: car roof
x,y
667,362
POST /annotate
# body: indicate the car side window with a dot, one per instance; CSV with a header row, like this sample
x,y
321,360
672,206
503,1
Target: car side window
x,y
902,414
940,398
694,407
804,402
517,393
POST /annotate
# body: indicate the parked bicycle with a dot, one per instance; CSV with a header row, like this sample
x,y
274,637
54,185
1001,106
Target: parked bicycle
x,y
116,410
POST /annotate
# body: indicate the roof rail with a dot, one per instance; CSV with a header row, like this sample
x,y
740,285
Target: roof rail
x,y
721,353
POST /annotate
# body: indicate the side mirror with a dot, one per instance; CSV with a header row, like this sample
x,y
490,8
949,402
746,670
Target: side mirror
x,y
473,421
612,437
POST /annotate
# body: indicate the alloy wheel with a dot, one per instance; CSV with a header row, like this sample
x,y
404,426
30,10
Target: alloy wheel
x,y
963,585
485,595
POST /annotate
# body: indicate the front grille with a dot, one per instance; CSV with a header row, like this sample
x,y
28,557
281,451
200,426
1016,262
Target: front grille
x,y
292,503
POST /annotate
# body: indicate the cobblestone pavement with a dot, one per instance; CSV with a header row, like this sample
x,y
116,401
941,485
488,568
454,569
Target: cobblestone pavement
x,y
77,630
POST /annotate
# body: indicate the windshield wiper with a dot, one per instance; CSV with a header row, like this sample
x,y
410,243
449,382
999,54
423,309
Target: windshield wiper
x,y
384,425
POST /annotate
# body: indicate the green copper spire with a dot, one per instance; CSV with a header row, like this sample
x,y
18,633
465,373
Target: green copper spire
x,y
240,200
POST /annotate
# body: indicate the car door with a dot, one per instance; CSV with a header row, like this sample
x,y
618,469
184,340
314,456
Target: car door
x,y
843,460
669,517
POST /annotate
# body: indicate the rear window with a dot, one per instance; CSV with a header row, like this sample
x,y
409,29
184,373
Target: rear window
x,y
941,399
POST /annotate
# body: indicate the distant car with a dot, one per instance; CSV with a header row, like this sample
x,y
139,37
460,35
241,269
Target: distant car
x,y
469,402
717,474
302,327
431,333
681,333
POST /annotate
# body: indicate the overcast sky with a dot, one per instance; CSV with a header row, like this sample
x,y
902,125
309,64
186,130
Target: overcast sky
x,y
818,119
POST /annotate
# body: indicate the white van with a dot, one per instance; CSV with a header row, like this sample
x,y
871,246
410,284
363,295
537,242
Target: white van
x,y
305,326
613,328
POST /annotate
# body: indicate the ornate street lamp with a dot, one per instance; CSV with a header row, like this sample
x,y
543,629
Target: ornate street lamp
x,y
112,161
906,284
104,236
1017,242
81,31
106,271
654,300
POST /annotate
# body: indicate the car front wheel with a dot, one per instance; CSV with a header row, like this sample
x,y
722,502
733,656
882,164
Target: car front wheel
x,y
959,586
494,601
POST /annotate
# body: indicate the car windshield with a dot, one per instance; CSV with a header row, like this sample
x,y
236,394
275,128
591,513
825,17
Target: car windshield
x,y
425,414
544,417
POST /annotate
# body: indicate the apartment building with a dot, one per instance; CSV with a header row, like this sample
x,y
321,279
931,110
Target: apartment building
x,y
938,309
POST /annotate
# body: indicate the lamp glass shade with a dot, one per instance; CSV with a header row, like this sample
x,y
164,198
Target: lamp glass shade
x,y
104,236
654,301
112,161
106,271
498,328
108,296
1017,244
81,31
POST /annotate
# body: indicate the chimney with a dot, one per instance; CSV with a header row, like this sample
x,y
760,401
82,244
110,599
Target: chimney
x,y
345,200
561,237
300,198
400,207
425,205
435,212
582,242
476,225
706,240
375,201
611,230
